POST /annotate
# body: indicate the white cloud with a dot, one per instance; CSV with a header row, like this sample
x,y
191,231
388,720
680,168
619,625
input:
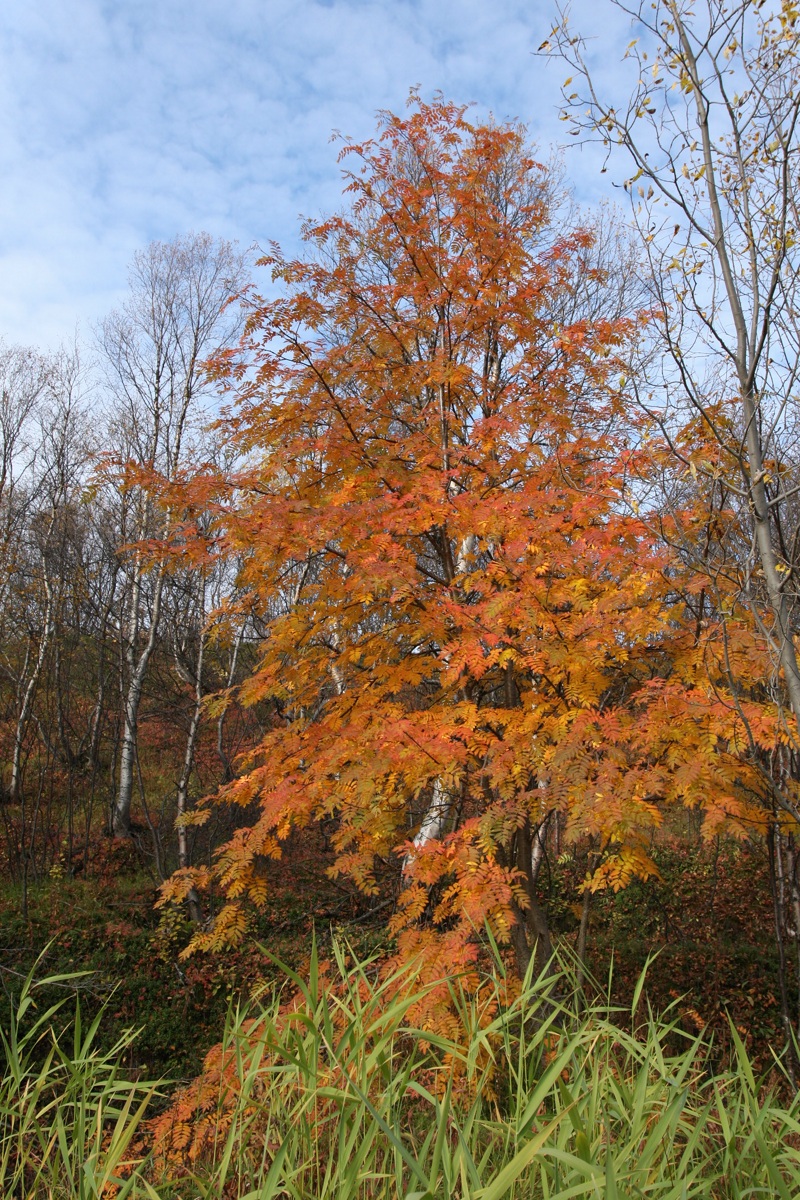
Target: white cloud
x,y
130,120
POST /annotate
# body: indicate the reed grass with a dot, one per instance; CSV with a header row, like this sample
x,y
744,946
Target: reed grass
x,y
346,1097
69,1113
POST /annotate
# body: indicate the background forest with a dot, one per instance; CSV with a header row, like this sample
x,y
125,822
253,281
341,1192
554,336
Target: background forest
x,y
408,654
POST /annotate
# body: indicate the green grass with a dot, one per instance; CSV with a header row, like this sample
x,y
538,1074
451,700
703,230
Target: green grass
x,y
68,1113
345,1096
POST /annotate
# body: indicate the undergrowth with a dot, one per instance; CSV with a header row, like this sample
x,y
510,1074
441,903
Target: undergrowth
x,y
335,1091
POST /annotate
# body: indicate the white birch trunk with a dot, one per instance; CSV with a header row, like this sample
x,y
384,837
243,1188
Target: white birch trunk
x,y
23,716
221,754
121,815
433,824
193,899
539,844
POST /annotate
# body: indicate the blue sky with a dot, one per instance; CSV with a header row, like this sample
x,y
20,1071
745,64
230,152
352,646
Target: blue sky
x,y
124,121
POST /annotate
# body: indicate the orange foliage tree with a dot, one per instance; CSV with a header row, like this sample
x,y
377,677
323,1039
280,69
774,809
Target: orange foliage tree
x,y
466,623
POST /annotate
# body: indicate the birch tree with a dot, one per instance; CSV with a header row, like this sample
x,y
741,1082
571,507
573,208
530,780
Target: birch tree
x,y
154,349
24,378
46,453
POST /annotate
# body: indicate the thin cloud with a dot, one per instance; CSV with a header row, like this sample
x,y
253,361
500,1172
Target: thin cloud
x,y
133,120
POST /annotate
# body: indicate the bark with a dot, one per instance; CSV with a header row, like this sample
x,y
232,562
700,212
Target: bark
x,y
227,768
435,820
583,930
24,714
583,933
531,933
539,846
193,899
137,667
433,824
777,887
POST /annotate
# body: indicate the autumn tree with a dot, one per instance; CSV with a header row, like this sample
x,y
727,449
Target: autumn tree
x,y
458,615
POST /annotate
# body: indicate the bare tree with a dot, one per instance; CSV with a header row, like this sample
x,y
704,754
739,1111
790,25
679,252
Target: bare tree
x,y
177,316
711,130
24,378
46,453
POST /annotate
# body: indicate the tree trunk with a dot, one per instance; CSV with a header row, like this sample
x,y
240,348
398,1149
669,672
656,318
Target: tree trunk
x,y
227,768
777,887
27,700
433,824
121,813
193,899
531,933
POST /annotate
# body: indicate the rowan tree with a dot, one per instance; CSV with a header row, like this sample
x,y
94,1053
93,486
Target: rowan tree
x,y
460,617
